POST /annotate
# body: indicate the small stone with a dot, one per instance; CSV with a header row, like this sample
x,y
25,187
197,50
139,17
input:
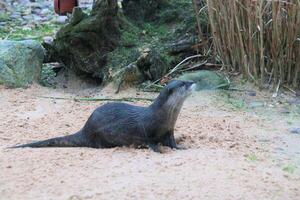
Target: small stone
x,y
27,17
37,18
284,110
48,39
15,15
294,130
61,19
256,104
26,28
251,93
35,5
45,11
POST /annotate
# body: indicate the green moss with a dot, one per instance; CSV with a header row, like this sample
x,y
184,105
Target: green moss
x,y
290,168
4,17
251,157
233,102
129,39
19,32
47,76
122,56
154,30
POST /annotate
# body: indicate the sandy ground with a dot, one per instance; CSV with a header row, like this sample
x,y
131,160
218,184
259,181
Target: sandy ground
x,y
231,153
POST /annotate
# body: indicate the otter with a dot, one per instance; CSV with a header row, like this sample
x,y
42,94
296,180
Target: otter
x,y
121,124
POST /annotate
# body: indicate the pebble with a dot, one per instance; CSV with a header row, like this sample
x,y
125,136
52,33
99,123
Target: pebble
x,y
30,12
61,19
251,93
294,130
37,18
48,39
256,104
27,17
45,11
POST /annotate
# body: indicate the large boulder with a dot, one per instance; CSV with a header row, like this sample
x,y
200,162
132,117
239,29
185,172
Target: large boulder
x,y
206,80
20,62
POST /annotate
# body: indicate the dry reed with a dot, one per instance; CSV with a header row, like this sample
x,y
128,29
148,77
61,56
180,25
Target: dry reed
x,y
259,38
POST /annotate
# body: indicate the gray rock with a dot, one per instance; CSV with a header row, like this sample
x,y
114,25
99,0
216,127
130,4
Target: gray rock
x,y
27,17
61,19
256,104
15,16
45,11
206,80
152,65
294,130
37,18
251,93
47,39
20,62
35,5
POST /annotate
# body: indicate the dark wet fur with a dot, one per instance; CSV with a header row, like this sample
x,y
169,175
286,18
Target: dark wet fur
x,y
120,124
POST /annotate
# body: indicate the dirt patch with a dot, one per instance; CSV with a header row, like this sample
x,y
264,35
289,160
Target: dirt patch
x,y
231,153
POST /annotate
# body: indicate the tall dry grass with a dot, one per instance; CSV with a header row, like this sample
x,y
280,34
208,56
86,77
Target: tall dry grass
x,y
259,38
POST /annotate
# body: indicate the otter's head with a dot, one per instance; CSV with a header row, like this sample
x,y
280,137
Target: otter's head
x,y
173,95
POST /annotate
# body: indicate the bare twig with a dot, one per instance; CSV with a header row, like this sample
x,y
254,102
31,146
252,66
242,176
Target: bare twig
x,y
292,91
129,99
175,68
276,91
196,65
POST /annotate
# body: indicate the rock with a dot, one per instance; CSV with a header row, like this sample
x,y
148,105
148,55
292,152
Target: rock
x,y
48,39
151,64
142,10
251,93
4,17
294,130
20,62
284,110
129,75
45,11
182,44
256,104
206,80
35,5
15,15
37,18
61,19
27,17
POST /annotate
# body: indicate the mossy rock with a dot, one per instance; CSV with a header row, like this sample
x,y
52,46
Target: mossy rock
x,y
152,64
206,80
20,62
84,43
110,38
142,10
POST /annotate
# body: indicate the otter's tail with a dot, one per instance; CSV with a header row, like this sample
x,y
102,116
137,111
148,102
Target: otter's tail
x,y
74,140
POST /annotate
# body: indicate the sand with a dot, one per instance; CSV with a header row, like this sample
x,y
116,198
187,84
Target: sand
x,y
231,153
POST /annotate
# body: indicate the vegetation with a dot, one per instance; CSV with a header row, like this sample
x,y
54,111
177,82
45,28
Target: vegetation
x,y
260,39
18,32
290,168
47,76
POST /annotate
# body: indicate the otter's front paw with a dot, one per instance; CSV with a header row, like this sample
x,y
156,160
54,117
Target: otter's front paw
x,y
155,148
179,147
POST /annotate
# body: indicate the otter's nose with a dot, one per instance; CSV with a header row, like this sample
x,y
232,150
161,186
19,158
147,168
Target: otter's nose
x,y
188,84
